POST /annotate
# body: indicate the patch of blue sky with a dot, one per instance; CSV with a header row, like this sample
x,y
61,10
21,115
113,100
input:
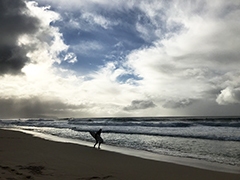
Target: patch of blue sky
x,y
95,44
101,46
129,79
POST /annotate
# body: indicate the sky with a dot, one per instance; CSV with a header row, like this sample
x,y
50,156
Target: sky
x,y
121,58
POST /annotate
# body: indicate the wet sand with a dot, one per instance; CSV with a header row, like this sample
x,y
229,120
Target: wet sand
x,y
23,156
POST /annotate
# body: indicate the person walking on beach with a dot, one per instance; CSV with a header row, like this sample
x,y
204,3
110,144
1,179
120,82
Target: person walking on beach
x,y
97,137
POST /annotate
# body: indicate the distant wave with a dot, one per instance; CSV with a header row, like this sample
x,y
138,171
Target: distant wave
x,y
173,127
147,122
156,123
196,136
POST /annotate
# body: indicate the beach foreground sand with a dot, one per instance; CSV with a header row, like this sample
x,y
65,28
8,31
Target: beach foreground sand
x,y
23,156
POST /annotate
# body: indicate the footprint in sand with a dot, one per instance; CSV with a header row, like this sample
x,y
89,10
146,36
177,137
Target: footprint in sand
x,y
18,173
9,173
96,178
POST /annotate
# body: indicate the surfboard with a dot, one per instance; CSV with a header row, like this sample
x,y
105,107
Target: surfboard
x,y
99,139
92,133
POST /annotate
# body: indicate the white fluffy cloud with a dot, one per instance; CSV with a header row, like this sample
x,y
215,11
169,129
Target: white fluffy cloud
x,y
188,63
229,96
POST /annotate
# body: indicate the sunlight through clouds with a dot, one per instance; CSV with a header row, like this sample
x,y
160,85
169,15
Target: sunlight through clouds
x,y
128,58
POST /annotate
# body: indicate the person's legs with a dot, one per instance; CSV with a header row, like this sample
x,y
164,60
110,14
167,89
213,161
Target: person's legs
x,y
95,144
99,144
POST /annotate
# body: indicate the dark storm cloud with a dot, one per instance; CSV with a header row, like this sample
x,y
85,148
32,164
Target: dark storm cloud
x,y
37,107
14,22
139,104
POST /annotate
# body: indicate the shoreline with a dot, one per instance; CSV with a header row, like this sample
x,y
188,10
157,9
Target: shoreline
x,y
23,156
196,163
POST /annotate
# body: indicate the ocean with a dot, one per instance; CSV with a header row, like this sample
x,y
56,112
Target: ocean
x,y
211,139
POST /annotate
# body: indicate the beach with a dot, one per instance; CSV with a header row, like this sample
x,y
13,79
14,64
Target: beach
x,y
23,156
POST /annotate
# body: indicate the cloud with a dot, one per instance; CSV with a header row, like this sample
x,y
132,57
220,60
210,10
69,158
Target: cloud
x,y
192,53
90,5
86,47
30,46
184,55
208,38
98,20
146,29
39,107
15,21
26,36
173,104
229,96
71,58
193,60
139,104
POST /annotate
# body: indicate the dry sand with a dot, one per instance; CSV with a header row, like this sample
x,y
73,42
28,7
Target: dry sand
x,y
23,156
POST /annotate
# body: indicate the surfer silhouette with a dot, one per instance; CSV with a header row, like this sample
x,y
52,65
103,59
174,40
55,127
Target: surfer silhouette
x,y
97,137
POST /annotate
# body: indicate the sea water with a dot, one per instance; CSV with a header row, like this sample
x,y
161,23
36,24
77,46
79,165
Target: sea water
x,y
212,139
